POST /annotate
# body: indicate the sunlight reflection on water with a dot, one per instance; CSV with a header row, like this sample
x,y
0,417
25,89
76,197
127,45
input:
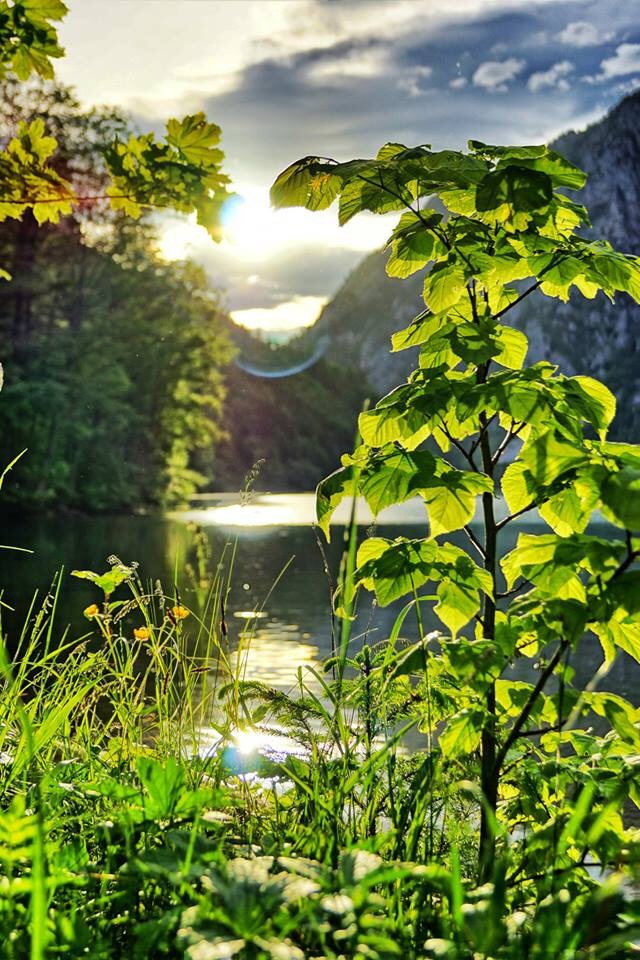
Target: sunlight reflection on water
x,y
287,509
275,653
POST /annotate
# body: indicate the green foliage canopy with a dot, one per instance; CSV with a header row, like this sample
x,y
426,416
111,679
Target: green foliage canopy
x,y
476,433
181,172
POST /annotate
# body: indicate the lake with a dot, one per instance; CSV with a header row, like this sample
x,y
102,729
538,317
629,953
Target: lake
x,y
278,570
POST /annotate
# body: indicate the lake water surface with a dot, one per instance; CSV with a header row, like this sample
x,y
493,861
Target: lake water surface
x,y
278,570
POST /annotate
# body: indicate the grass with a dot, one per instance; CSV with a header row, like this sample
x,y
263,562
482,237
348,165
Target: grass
x,y
119,838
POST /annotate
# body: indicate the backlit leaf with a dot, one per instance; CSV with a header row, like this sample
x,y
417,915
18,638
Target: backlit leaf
x,y
331,492
444,287
414,244
621,494
462,733
521,189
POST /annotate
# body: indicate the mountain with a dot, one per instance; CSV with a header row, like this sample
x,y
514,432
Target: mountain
x,y
586,336
285,432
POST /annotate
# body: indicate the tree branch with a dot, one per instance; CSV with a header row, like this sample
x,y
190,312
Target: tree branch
x,y
474,540
512,516
509,593
529,705
70,198
540,732
456,443
511,435
514,303
631,557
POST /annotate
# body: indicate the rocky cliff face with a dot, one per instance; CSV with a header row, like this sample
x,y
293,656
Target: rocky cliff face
x,y
594,337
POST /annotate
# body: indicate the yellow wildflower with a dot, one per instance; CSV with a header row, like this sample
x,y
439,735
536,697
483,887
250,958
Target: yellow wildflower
x,y
141,633
91,611
179,612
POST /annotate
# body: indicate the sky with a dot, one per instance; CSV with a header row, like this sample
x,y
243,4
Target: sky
x,y
338,78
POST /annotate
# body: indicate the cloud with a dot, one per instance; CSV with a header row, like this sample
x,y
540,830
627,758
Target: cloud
x,y
458,83
495,75
348,62
538,39
555,76
289,315
410,80
625,60
581,33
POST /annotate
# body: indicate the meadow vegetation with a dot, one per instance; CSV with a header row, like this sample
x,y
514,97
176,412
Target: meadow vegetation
x,y
134,820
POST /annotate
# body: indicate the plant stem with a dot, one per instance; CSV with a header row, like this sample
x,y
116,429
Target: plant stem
x,y
488,772
530,704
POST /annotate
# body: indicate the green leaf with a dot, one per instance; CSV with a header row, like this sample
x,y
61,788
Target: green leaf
x,y
308,181
472,343
619,632
622,715
412,660
163,784
519,489
393,568
413,244
458,602
390,151
195,137
393,420
419,331
513,347
558,168
39,11
621,494
438,351
182,172
518,188
617,272
529,395
548,457
600,402
451,498
507,153
331,492
107,582
32,40
444,287
558,279
395,476
530,551
374,188
566,512
540,557
462,733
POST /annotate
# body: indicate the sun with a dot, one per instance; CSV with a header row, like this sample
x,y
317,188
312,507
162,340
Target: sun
x,y
180,239
254,232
